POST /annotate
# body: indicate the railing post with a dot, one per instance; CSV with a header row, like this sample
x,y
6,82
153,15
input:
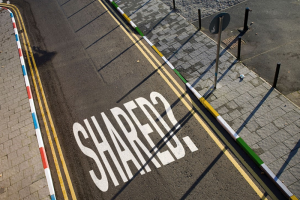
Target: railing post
x,y
246,19
174,8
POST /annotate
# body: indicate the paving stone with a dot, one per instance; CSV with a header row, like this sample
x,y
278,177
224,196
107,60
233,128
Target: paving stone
x,y
291,116
34,196
222,110
297,123
43,192
295,188
267,157
280,123
244,132
24,192
281,136
287,106
267,130
295,170
292,129
242,99
267,143
287,178
218,102
37,185
252,139
234,114
293,158
263,120
227,118
259,108
293,143
280,150
231,105
279,166
252,126
246,108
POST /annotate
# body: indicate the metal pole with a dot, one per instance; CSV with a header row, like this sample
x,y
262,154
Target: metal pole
x,y
199,16
174,8
246,19
218,50
276,75
239,48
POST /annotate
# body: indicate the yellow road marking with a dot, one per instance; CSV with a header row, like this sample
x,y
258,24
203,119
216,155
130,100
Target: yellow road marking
x,y
216,140
27,43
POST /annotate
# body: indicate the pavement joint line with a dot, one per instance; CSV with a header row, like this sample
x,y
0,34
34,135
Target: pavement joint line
x,y
33,112
222,122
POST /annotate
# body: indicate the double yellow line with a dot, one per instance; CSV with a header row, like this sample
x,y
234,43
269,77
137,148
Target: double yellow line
x,y
39,89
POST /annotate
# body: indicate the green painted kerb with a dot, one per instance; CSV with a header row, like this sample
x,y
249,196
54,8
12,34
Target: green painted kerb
x,y
114,4
139,31
249,151
178,74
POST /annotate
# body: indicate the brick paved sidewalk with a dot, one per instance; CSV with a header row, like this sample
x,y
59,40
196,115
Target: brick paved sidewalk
x,y
263,117
21,171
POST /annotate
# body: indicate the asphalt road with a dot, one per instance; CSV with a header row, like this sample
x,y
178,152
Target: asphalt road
x,y
111,110
273,37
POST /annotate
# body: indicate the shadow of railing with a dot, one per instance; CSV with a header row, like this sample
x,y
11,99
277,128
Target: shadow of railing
x,y
117,56
159,146
158,22
291,155
102,37
255,110
185,42
139,84
90,21
140,7
81,9
203,175
65,3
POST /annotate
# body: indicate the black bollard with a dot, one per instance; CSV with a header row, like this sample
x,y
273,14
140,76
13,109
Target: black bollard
x,y
174,8
246,19
276,75
239,48
199,16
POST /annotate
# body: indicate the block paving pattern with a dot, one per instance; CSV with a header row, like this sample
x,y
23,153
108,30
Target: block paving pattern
x,y
21,171
263,117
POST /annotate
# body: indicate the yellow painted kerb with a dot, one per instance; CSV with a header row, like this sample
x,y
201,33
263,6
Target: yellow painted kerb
x,y
209,107
126,17
157,51
293,197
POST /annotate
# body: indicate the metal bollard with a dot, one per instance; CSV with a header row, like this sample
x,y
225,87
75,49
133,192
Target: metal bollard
x,y
276,75
239,48
174,8
199,16
246,19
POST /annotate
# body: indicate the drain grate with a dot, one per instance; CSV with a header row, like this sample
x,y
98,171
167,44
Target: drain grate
x,y
232,41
